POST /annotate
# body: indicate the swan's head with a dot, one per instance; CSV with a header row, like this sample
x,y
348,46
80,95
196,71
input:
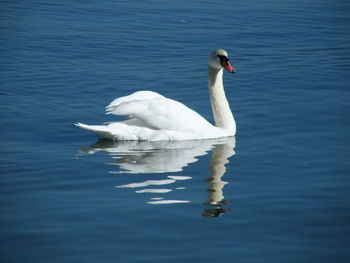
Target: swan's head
x,y
218,59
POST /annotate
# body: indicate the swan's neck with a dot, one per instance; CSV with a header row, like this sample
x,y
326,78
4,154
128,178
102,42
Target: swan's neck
x,y
221,109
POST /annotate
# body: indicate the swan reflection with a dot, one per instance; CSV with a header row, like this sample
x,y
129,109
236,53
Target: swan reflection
x,y
133,157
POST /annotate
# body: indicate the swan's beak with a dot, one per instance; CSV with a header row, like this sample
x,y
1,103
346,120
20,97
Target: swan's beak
x,y
226,64
229,68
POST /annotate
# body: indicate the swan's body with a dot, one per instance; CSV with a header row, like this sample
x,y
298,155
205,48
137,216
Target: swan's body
x,y
153,117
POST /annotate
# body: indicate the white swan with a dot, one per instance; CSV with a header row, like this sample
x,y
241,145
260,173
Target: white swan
x,y
153,117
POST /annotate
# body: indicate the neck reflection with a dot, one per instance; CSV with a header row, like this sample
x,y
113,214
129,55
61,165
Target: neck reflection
x,y
216,199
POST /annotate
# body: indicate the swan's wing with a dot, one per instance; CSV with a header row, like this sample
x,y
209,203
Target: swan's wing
x,y
136,96
159,112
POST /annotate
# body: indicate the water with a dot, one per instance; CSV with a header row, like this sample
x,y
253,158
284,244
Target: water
x,y
279,192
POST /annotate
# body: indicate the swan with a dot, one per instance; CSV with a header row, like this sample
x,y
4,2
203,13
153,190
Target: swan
x,y
153,117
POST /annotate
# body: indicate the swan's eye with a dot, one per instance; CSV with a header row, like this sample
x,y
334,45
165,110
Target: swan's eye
x,y
223,57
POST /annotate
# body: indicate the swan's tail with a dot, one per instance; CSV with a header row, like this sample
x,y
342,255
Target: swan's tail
x,y
101,130
122,131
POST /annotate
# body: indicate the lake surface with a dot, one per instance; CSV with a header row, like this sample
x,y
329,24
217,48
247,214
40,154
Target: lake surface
x,y
277,192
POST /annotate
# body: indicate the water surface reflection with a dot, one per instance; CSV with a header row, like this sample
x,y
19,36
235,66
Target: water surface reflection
x,y
133,157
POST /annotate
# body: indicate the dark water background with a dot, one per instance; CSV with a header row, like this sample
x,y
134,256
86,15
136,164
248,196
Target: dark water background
x,y
286,188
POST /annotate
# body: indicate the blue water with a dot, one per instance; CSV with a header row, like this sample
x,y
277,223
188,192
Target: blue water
x,y
279,192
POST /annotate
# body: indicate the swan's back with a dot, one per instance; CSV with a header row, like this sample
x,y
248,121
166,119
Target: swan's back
x,y
160,113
